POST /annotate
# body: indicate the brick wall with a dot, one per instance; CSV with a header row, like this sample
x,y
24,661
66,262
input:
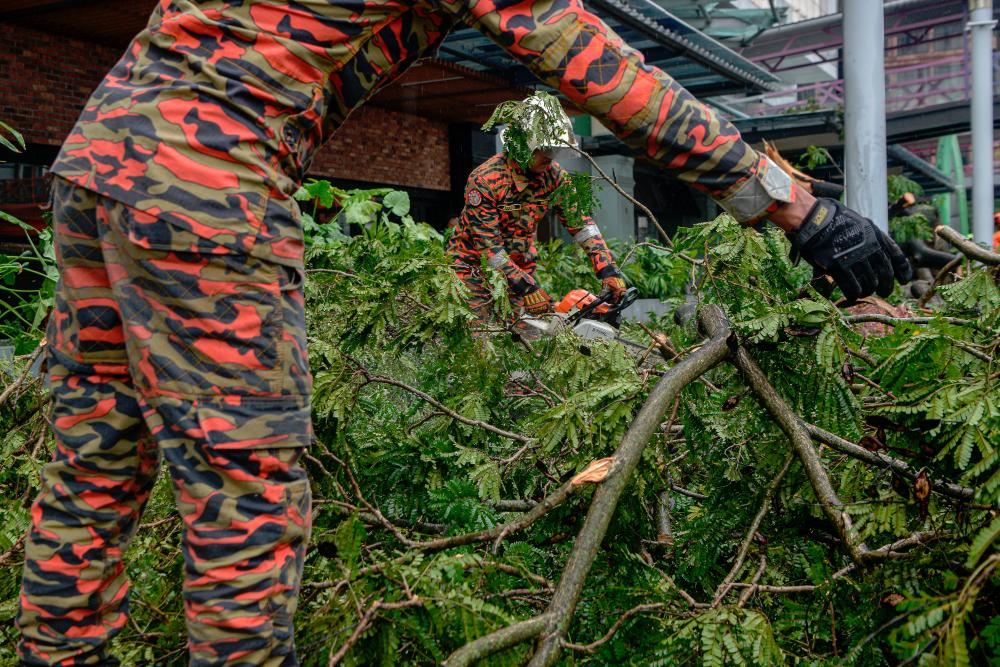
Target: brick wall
x,y
46,79
382,146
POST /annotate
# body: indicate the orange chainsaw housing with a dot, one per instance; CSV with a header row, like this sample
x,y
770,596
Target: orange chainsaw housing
x,y
579,299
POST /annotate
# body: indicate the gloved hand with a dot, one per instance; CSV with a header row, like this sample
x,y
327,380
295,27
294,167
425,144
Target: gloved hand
x,y
850,248
538,303
613,287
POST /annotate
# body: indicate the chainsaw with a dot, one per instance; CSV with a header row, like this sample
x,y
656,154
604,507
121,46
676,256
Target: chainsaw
x,y
588,316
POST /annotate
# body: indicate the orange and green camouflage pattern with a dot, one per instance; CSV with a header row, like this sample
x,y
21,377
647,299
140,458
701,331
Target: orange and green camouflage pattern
x,y
194,358
503,205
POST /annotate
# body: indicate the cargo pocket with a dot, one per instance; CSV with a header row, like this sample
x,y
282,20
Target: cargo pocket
x,y
254,422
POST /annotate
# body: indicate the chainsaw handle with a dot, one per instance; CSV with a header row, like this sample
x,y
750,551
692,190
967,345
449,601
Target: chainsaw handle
x,y
630,296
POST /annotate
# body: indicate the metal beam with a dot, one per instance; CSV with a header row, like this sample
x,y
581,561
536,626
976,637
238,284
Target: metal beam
x,y
915,163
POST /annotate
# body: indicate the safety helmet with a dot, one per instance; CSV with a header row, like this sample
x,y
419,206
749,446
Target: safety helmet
x,y
537,122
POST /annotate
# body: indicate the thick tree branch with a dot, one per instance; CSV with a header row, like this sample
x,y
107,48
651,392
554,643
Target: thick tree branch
x,y
967,247
626,458
802,445
901,468
495,642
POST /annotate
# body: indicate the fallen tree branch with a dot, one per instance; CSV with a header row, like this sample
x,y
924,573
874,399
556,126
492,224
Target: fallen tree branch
x,y
765,507
495,642
638,609
626,458
556,620
967,247
802,445
901,468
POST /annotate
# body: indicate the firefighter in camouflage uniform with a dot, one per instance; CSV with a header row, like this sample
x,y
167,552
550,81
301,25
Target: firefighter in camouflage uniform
x,y
505,200
178,333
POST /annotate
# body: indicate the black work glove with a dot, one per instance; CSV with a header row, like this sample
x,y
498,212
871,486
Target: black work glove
x,y
851,249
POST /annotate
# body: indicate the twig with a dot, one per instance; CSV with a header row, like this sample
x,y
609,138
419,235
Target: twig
x,y
515,571
765,507
688,492
17,384
336,272
669,353
635,202
745,595
896,321
366,622
966,247
885,626
14,548
945,270
496,533
512,505
381,379
638,609
901,468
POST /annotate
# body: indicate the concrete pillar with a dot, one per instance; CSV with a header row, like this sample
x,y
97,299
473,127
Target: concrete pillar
x,y
864,112
981,26
616,215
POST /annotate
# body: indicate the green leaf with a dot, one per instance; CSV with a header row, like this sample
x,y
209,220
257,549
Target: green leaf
x,y
985,539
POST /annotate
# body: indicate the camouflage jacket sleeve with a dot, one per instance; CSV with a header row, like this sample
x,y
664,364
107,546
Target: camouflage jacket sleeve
x,y
573,51
481,216
584,231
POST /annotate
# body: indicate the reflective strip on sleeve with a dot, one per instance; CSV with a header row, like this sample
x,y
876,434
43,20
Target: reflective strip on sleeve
x,y
752,199
498,260
588,232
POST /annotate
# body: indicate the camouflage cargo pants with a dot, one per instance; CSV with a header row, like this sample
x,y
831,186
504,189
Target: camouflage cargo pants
x,y
195,359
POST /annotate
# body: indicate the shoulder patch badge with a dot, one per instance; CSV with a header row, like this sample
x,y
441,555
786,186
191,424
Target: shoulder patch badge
x,y
475,198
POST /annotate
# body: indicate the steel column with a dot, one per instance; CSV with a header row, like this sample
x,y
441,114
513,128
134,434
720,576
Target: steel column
x,y
981,26
864,110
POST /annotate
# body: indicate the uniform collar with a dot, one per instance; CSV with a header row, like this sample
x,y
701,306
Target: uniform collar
x,y
520,177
